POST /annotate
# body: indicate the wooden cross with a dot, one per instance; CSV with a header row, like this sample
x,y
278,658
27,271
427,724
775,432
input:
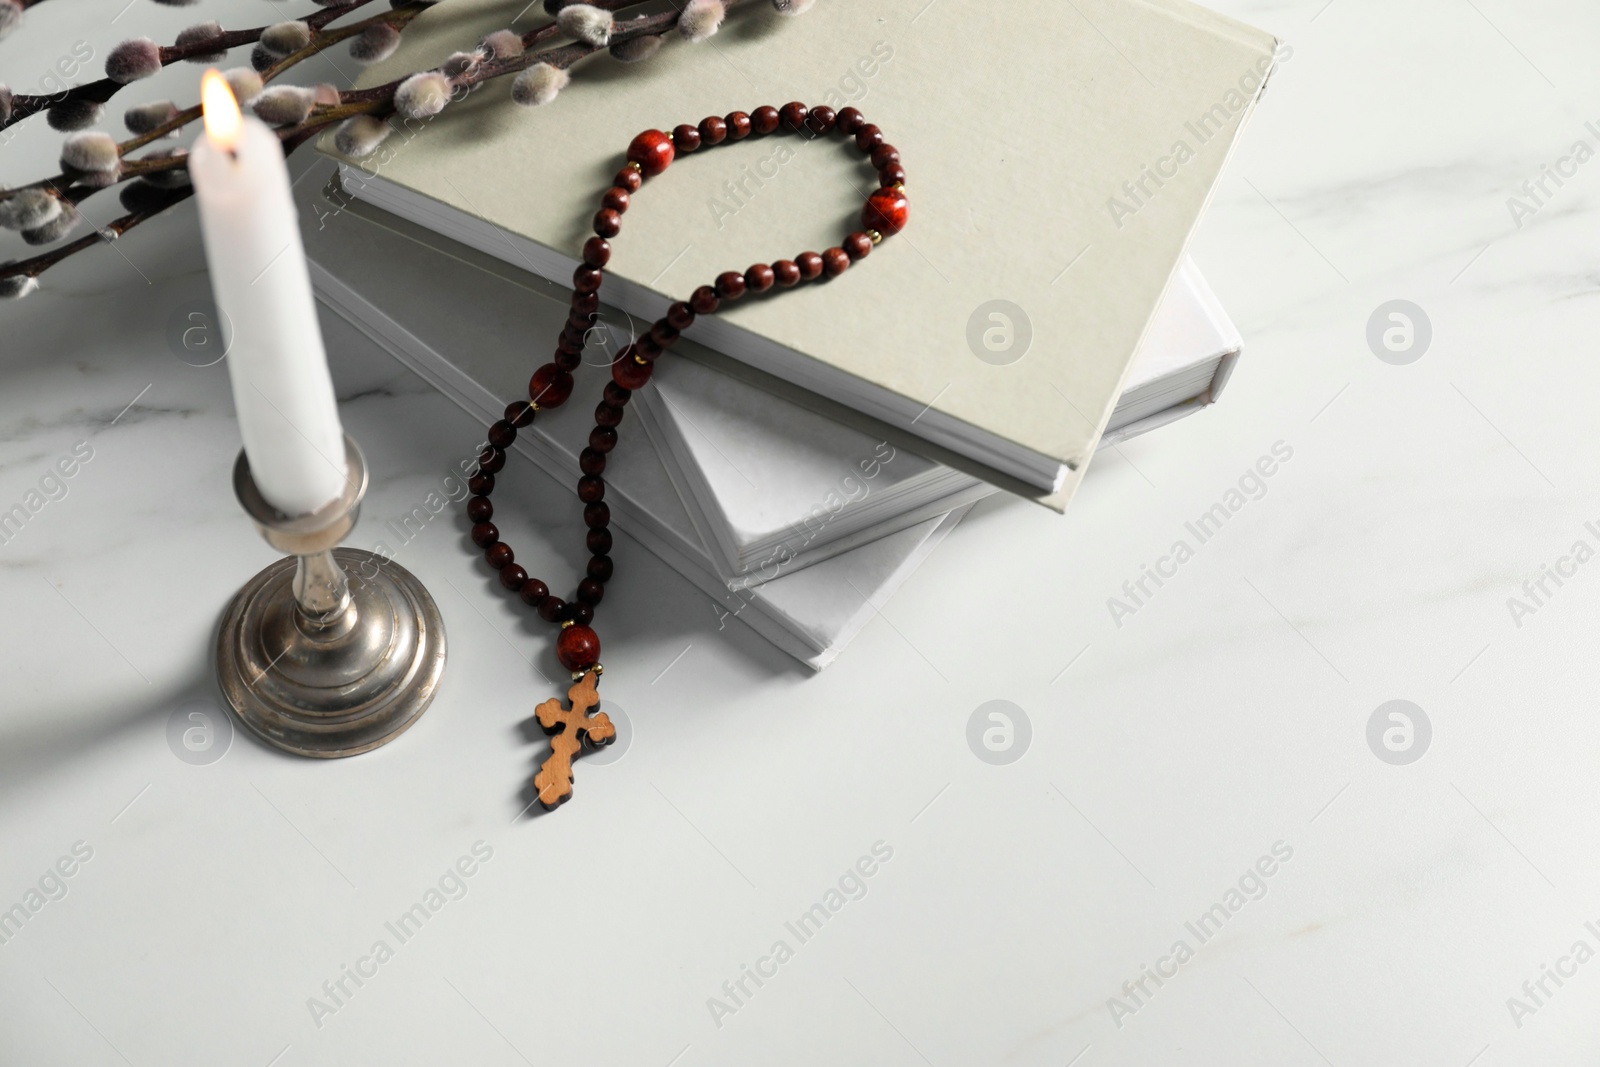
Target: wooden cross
x,y
568,727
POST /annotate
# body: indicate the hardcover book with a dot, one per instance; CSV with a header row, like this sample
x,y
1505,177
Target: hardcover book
x,y
1052,199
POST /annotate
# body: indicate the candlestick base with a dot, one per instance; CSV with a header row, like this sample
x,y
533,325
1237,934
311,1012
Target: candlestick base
x,y
332,651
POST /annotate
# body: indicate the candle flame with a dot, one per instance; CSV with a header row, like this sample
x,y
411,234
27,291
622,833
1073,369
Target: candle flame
x,y
221,111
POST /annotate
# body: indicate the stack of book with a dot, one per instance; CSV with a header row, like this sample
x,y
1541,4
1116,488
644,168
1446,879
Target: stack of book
x,y
802,455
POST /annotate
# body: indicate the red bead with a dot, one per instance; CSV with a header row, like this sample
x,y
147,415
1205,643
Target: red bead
x,y
885,211
501,434
549,387
578,648
519,413
615,395
582,614
850,120
481,484
606,415
479,509
685,138
884,155
704,300
653,151
602,439
596,515
680,316
857,246
607,223
785,273
499,555
569,358
738,125
629,179
491,459
591,462
591,489
893,174
713,130
551,608
810,265
663,333
730,285
599,541
600,568
631,374
834,262
587,303
485,534
759,278
591,592
616,199
586,279
794,115
765,119
868,137
821,120
596,253
513,577
533,591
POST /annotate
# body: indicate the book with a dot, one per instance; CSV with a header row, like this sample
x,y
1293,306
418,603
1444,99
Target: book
x,y
768,482
467,324
1051,201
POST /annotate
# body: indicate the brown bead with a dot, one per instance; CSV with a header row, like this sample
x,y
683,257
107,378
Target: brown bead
x,y
586,279
599,541
591,489
591,462
759,278
835,262
485,534
499,555
551,608
794,115
647,348
821,119
738,125
616,199
629,179
730,285
582,614
587,303
885,155
663,333
596,252
850,120
607,223
491,459
519,413
868,137
893,174
713,130
596,515
549,387
685,138
591,592
533,591
680,315
479,509
607,414
785,273
631,374
513,577
602,439
857,246
615,395
764,119
600,568
886,211
568,359
704,300
481,484
578,648
501,434
810,265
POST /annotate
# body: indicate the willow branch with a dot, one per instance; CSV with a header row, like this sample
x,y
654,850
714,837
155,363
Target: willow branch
x,y
24,105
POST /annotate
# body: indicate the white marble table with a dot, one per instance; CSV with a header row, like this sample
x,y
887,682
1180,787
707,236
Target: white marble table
x,y
1223,724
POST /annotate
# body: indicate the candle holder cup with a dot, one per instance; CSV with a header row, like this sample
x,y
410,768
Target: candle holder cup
x,y
332,651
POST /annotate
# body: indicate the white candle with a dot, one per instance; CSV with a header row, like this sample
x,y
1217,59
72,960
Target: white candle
x,y
281,387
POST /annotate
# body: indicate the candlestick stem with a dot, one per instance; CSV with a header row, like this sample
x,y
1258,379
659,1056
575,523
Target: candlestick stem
x,y
321,590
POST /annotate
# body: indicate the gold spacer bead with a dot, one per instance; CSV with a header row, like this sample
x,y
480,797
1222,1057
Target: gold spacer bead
x,y
565,623
532,406
640,360
577,676
900,186
634,166
875,236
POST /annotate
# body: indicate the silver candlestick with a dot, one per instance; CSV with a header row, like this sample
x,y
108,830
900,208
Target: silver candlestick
x,y
333,651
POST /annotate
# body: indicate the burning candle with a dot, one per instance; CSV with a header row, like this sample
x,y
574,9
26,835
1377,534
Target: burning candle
x,y
281,387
